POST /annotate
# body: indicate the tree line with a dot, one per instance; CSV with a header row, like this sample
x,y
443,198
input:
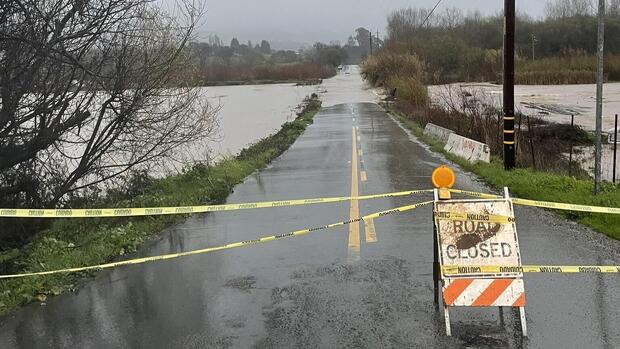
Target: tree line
x,y
457,46
237,62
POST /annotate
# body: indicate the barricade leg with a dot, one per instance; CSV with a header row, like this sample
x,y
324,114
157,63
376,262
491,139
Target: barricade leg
x,y
501,316
436,272
523,322
446,314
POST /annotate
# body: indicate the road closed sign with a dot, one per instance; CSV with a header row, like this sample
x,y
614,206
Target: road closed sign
x,y
477,233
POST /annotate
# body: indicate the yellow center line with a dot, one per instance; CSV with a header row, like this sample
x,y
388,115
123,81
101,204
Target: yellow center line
x,y
354,212
369,228
364,176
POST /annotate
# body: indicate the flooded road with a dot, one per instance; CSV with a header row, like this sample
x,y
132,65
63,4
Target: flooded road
x,y
247,113
339,288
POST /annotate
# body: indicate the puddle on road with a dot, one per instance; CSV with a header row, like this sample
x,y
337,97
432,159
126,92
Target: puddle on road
x,y
243,283
375,303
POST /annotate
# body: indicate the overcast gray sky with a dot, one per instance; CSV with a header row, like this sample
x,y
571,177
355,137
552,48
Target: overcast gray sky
x,y
321,20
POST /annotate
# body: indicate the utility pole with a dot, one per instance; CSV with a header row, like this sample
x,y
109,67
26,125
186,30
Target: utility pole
x,y
534,41
509,84
599,96
370,42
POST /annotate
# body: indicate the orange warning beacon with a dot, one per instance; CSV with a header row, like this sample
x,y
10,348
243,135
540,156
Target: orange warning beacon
x,y
443,179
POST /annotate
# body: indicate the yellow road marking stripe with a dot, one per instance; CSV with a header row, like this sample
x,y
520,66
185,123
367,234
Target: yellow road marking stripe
x,y
371,233
354,228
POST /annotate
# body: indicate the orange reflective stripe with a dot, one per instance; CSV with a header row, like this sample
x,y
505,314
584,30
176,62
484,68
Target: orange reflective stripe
x,y
495,289
454,290
520,302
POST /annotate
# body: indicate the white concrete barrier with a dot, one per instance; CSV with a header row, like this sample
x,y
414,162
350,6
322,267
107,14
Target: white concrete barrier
x,y
610,135
584,157
467,148
441,133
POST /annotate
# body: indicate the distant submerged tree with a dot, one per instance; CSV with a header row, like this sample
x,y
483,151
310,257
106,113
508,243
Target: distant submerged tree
x,y
265,47
323,54
215,40
226,54
234,44
362,35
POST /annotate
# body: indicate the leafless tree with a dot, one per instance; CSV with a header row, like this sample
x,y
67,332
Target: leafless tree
x,y
91,89
568,8
451,18
613,8
403,23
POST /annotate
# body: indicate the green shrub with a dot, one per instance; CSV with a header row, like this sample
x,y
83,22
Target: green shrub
x,y
571,68
408,89
380,68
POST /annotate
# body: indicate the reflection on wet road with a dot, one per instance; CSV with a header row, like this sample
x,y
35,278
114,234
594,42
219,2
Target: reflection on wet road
x,y
307,291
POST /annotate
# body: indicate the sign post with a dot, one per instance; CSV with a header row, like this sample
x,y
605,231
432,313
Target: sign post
x,y
443,178
475,233
509,84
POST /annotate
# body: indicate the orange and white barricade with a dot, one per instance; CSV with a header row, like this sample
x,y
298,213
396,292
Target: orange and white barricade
x,y
470,234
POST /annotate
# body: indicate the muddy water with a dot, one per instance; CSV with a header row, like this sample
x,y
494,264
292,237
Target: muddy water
x,y
554,103
249,113
347,87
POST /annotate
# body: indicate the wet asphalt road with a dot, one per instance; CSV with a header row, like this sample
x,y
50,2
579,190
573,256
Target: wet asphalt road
x,y
318,290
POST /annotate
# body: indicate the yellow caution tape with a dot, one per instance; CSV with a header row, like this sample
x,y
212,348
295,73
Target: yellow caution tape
x,y
158,211
567,207
218,248
475,194
544,204
473,217
497,269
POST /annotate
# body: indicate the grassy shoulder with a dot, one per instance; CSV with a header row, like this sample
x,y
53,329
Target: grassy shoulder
x,y
536,185
82,242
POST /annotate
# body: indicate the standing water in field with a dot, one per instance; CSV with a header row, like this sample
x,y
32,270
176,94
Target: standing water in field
x,y
250,112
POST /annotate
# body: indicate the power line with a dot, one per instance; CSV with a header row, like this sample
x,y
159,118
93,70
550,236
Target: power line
x,y
431,13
